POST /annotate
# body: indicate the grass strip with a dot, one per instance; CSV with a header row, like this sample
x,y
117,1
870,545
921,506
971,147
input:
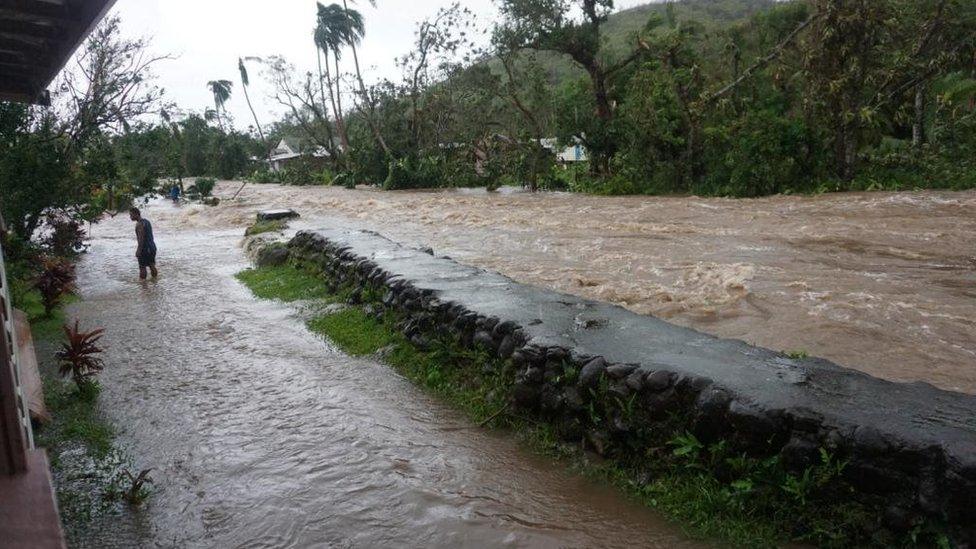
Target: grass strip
x,y
285,283
262,227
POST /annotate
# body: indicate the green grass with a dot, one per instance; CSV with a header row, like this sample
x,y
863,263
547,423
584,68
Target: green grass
x,y
709,490
443,368
354,332
43,326
285,283
75,418
262,227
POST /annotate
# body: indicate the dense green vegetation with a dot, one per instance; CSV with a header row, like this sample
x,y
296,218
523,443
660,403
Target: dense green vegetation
x,y
711,489
95,150
730,97
712,97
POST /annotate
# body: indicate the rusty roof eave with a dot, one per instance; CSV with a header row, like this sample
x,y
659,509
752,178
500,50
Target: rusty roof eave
x,y
37,37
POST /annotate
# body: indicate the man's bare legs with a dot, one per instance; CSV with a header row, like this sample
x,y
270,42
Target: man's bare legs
x,y
152,269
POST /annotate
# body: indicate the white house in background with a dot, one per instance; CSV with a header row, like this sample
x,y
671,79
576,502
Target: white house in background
x,y
290,148
574,153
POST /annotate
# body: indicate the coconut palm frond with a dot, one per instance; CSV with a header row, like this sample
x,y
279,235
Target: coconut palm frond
x,y
243,70
221,90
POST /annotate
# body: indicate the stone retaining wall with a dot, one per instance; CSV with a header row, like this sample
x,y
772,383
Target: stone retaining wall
x,y
912,444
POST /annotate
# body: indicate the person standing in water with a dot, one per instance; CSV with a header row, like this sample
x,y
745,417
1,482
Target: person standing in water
x,y
146,248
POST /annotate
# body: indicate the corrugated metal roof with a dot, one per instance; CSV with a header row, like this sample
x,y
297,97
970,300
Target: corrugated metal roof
x,y
36,39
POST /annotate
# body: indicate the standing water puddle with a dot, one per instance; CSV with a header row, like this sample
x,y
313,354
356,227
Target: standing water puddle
x,y
261,434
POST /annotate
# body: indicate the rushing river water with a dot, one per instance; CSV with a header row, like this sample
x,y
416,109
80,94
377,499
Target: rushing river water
x,y
260,434
881,282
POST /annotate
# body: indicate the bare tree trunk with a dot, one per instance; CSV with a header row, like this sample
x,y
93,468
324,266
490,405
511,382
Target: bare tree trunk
x,y
918,126
340,122
846,150
247,96
264,140
600,162
332,97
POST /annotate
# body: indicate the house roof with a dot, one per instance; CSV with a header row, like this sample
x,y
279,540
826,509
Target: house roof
x,y
36,39
296,144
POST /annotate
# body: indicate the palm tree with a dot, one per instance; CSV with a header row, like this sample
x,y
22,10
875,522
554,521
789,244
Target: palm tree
x,y
355,39
245,82
221,90
337,27
323,44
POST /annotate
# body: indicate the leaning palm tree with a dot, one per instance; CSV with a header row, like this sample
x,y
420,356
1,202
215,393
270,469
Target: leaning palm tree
x,y
323,44
221,90
336,28
355,39
245,83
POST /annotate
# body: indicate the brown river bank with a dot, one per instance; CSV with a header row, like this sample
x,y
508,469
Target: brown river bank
x,y
881,282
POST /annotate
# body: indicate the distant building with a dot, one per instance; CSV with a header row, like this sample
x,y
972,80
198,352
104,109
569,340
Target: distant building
x,y
290,149
574,153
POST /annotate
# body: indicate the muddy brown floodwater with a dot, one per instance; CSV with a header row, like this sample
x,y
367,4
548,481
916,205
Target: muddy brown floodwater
x,y
260,434
881,282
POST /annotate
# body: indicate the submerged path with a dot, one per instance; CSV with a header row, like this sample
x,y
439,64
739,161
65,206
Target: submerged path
x,y
881,282
260,434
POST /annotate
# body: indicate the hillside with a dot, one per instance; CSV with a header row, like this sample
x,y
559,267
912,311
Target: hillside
x,y
621,27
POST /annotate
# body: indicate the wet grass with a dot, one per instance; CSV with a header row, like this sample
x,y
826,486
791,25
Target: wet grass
x,y
75,418
442,368
709,490
285,283
353,332
262,227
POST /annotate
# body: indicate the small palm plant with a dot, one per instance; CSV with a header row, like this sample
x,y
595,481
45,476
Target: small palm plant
x,y
55,280
78,355
133,489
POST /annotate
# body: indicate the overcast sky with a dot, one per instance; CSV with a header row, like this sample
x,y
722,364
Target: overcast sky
x,y
209,35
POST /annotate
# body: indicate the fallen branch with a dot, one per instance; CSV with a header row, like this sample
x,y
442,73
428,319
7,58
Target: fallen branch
x,y
493,416
238,191
762,62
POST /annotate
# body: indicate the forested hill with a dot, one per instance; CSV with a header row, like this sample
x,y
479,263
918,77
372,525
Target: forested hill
x,y
621,27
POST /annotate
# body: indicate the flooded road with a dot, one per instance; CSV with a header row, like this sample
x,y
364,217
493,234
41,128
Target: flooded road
x,y
260,434
881,282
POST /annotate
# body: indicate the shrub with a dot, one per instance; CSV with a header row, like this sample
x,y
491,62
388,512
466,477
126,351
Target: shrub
x,y
133,489
66,236
346,179
55,280
760,154
414,172
78,355
265,176
204,186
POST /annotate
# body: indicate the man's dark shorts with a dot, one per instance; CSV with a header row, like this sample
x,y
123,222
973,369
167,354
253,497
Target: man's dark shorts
x,y
147,258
